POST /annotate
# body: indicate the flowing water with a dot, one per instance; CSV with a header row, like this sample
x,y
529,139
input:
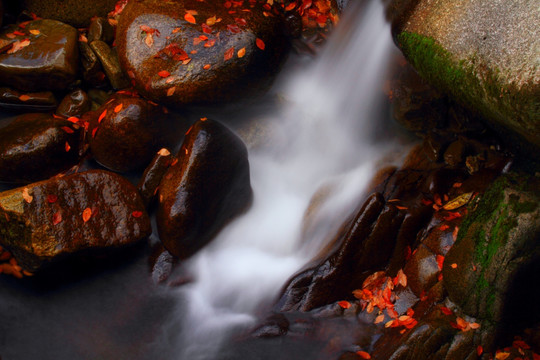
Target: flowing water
x,y
324,135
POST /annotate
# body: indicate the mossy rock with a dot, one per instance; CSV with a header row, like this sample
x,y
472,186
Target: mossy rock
x,y
485,54
497,253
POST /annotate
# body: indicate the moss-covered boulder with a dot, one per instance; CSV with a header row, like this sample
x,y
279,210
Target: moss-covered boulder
x,y
484,53
93,212
492,270
190,51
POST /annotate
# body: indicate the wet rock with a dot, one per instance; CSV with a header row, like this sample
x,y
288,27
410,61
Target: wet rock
x,y
92,70
226,51
109,62
366,244
128,132
485,54
207,188
497,254
274,326
75,104
455,154
44,58
149,182
74,12
92,212
100,29
37,146
11,99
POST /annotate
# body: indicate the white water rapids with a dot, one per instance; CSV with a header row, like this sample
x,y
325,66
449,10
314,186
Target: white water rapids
x,y
326,137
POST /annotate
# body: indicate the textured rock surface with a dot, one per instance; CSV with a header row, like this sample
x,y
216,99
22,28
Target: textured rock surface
x,y
83,213
484,53
37,146
46,60
127,131
208,187
74,12
221,53
500,240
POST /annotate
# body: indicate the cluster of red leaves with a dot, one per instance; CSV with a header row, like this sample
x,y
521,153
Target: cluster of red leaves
x,y
314,13
460,323
9,265
519,350
377,292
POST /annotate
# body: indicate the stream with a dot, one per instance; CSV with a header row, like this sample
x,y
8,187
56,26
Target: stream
x,y
325,127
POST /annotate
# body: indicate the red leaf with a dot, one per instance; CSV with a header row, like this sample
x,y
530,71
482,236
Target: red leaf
x,y
103,114
240,21
137,214
234,29
24,97
164,73
229,54
446,311
87,214
67,129
479,350
206,29
52,199
260,44
363,354
344,304
440,261
57,218
118,108
190,18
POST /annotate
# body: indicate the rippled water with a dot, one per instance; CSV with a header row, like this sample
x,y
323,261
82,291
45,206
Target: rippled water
x,y
322,135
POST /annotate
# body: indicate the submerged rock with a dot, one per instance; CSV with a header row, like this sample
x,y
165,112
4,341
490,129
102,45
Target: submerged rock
x,y
484,53
127,131
45,57
74,12
200,52
86,213
37,146
208,187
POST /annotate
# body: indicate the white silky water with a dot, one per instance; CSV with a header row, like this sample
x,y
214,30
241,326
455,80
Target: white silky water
x,y
325,137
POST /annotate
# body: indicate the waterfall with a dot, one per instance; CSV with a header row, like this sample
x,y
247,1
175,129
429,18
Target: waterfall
x,y
325,137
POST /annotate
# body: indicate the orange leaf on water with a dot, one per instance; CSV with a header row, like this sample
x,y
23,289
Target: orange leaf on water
x,y
24,97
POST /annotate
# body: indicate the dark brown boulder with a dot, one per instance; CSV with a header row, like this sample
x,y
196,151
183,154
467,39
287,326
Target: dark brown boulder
x,y
208,187
200,52
90,212
129,130
74,12
44,57
76,103
37,146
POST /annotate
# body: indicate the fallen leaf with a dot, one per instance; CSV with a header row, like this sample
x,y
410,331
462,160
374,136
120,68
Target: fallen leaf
x,y
87,214
57,218
458,201
24,97
260,44
379,319
363,354
164,73
241,52
171,90
228,54
190,18
103,114
118,108
137,214
502,355
344,304
479,350
440,261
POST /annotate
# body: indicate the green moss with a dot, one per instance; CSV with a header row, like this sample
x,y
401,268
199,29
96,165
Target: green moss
x,y
513,107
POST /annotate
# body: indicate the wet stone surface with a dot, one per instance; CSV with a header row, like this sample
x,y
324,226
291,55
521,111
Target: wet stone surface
x,y
200,52
88,213
207,188
44,56
36,146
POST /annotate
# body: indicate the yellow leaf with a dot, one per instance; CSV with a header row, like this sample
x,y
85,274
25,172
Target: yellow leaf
x,y
458,201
